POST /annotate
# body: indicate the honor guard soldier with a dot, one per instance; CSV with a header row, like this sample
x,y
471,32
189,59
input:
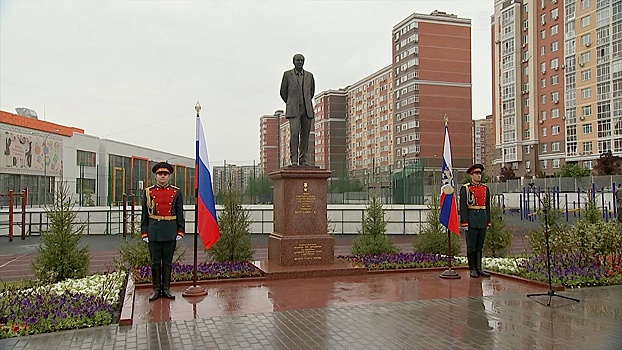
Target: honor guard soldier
x,y
475,218
161,225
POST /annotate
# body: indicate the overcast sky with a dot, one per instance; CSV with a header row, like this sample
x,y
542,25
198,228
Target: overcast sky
x,y
133,70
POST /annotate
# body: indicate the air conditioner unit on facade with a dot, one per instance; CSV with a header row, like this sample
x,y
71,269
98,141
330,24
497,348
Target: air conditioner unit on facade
x,y
554,1
563,66
524,45
563,118
582,117
541,121
543,71
581,64
556,101
588,44
555,68
554,17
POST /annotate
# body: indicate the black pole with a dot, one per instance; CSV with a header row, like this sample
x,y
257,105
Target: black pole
x,y
196,233
550,293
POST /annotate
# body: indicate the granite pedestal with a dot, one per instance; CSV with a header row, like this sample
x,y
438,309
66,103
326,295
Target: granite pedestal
x,y
300,234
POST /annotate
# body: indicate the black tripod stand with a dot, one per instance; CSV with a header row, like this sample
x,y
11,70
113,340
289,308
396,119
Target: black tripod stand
x,y
545,208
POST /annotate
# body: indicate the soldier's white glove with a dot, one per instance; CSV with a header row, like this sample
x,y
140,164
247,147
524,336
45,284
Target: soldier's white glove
x,y
178,238
146,239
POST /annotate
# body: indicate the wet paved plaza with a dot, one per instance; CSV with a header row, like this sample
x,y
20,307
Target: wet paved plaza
x,y
499,320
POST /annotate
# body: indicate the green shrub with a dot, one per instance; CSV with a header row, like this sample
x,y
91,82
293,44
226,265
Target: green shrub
x,y
558,230
134,252
498,236
372,238
60,256
433,236
234,221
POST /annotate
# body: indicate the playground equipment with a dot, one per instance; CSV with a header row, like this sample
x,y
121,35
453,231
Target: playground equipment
x,y
571,203
24,196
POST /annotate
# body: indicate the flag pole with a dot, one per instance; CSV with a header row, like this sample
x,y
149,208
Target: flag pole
x,y
195,290
449,273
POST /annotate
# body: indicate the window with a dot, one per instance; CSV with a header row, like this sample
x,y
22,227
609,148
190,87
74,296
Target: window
x,y
554,79
526,70
587,164
554,13
526,116
554,46
587,128
586,74
527,134
526,101
585,57
86,158
555,63
544,147
555,113
543,115
554,29
86,186
555,146
555,96
527,162
585,4
543,133
543,66
543,83
587,147
585,21
555,163
586,93
555,130
545,164
527,149
543,20
543,99
525,24
586,40
542,51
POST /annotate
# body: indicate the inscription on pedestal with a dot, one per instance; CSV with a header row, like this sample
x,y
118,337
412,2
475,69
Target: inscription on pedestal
x,y
305,203
307,251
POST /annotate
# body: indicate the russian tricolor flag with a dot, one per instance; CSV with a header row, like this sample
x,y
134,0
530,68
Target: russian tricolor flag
x,y
206,220
449,208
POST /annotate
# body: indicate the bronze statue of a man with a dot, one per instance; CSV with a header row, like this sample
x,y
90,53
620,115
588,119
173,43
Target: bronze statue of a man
x,y
297,91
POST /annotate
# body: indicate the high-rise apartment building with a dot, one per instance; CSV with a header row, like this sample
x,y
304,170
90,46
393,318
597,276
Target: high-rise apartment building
x,y
330,131
432,78
369,136
240,177
555,69
483,142
268,142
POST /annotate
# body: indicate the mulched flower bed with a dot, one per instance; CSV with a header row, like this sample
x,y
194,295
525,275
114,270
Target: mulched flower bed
x,y
205,271
400,261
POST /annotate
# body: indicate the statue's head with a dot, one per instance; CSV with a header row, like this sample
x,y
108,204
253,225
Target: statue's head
x,y
299,61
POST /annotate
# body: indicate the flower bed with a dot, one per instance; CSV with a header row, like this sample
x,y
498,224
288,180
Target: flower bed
x,y
569,270
205,271
401,261
70,304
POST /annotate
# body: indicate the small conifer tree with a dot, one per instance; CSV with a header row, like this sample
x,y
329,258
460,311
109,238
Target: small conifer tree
x,y
498,236
372,238
433,236
234,221
60,256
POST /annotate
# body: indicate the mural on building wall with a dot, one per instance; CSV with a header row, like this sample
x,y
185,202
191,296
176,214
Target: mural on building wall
x,y
24,153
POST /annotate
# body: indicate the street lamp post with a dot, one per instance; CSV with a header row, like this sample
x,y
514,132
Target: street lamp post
x,y
45,164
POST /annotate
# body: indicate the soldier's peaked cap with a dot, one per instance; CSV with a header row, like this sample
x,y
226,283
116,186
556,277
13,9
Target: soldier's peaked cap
x,y
162,166
474,168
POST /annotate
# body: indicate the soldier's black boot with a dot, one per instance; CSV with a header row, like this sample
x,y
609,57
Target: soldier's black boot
x,y
478,260
472,270
166,282
156,279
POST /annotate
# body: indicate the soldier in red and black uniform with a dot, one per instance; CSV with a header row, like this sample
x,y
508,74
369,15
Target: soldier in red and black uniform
x,y
162,224
475,218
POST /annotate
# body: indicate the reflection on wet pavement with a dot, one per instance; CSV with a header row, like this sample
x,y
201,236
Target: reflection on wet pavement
x,y
239,298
